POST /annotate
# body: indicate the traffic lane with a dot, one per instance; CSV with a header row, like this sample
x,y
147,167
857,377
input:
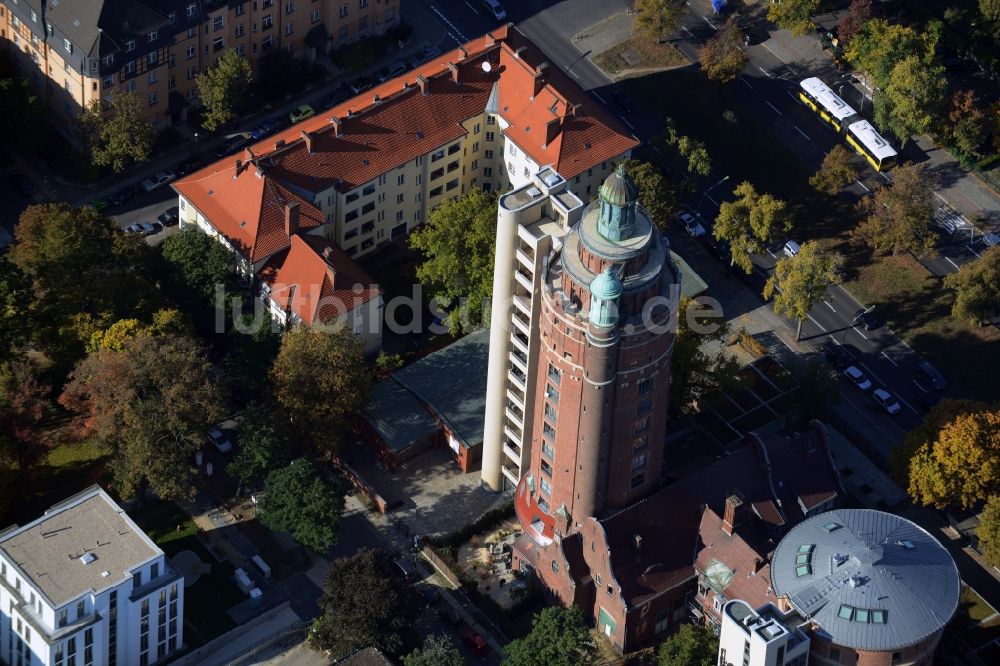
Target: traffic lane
x,y
146,207
855,410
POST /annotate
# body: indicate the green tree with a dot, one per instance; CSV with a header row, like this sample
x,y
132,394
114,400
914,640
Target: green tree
x,y
252,344
24,403
20,109
990,9
558,637
262,447
458,244
977,288
655,195
690,646
794,15
898,216
361,606
16,298
881,45
320,381
223,89
723,57
988,532
836,172
914,97
700,364
151,404
436,651
303,502
696,154
386,363
967,123
815,394
749,222
800,282
118,134
657,19
195,267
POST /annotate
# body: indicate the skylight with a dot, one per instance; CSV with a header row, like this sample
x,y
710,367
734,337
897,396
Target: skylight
x,y
803,560
830,527
846,612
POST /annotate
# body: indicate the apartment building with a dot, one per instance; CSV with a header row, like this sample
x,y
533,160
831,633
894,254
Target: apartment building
x,y
761,637
77,52
83,585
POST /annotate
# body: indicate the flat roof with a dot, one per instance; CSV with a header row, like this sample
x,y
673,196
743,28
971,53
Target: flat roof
x,y
828,99
871,139
86,543
872,580
397,416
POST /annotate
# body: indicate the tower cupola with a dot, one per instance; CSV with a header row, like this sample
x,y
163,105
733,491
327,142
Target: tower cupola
x,y
618,196
605,290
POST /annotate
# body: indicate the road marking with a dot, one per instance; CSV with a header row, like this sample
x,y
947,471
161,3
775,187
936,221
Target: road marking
x,y
764,44
451,25
472,8
816,322
794,98
863,186
827,303
957,267
625,120
904,342
658,151
573,74
684,28
888,358
917,384
801,132
774,108
887,179
709,23
773,255
598,96
746,83
858,331
975,253
766,73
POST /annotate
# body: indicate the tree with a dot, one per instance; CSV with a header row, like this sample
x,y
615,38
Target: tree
x,y
722,57
988,532
699,364
458,244
252,345
800,282
990,9
656,19
967,123
794,15
690,646
836,172
977,288
386,363
24,402
361,607
436,651
320,380
914,97
961,465
854,20
898,215
880,45
20,108
748,222
151,404
262,448
925,434
696,154
815,394
118,135
301,501
654,193
16,298
223,89
196,265
558,637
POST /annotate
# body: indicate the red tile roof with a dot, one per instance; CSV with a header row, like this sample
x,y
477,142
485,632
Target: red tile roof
x,y
316,280
246,206
751,579
802,469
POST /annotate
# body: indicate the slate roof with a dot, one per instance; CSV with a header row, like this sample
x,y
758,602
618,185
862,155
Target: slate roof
x,y
397,416
749,573
862,559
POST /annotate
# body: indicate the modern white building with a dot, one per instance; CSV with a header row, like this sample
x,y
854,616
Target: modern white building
x,y
531,221
761,637
83,585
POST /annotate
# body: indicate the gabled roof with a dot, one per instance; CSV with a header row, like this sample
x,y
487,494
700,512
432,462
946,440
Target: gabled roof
x,y
246,206
802,471
748,572
316,281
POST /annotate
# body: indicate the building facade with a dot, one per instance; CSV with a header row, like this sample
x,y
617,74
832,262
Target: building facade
x,y
761,637
75,53
83,585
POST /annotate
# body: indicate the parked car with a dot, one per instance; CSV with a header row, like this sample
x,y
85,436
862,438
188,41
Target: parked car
x,y
691,225
340,94
929,376
429,594
303,112
791,248
267,127
495,9
475,642
391,71
158,180
405,567
237,142
169,216
361,84
21,183
219,440
123,195
867,320
858,378
450,616
838,355
886,400
144,228
188,166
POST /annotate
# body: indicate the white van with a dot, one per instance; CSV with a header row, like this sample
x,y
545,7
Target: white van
x,y
791,248
496,9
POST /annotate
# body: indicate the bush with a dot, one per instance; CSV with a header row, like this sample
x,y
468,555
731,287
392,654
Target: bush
x,y
487,521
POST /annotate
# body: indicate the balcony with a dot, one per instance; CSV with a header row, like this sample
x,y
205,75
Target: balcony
x,y
437,173
519,360
525,306
514,417
523,278
525,259
521,322
518,377
515,397
511,473
520,342
513,431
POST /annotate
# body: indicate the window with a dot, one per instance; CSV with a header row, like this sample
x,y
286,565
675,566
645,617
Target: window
x,y
343,11
152,77
545,486
639,462
548,431
218,44
153,99
550,412
289,7
401,179
34,16
488,154
191,51
266,22
68,45
129,45
555,567
63,616
192,9
438,155
137,579
240,9
314,16
368,190
192,32
400,198
489,136
637,481
526,172
151,37
362,4
512,149
554,374
491,120
171,60
289,28
67,86
108,60
266,42
644,406
191,73
452,184
239,30
547,449
546,469
645,385
171,81
350,234
642,425
130,86
218,22
351,216
641,442
130,67
367,227
487,172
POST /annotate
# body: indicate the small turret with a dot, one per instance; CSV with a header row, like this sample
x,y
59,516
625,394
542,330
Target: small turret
x,y
618,195
605,290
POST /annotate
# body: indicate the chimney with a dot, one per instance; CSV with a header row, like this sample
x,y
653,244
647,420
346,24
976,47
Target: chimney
x,y
279,144
338,126
729,522
291,218
465,54
327,252
519,50
308,138
758,564
424,84
552,129
539,78
576,110
239,168
453,68
376,99
638,542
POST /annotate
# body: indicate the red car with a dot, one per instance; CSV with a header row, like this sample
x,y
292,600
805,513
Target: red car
x,y
475,642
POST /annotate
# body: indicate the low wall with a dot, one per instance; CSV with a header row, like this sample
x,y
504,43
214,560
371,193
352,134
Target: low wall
x,y
441,566
209,653
359,482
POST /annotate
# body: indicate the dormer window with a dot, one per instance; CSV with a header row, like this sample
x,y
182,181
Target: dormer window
x,y
68,45
151,37
130,45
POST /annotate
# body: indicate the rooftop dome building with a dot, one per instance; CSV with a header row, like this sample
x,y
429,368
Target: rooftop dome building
x,y
879,587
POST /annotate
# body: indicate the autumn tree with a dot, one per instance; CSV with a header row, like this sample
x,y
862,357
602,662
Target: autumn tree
x,y
967,124
24,402
696,155
924,434
223,88
262,447
165,322
361,606
305,503
836,172
117,132
723,57
794,15
558,637
977,288
699,364
16,298
656,19
151,404
961,464
881,45
852,22
800,282
458,244
749,222
690,646
436,651
988,532
320,380
655,195
898,216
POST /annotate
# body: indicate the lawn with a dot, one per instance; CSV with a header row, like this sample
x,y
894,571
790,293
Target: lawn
x,y
206,602
973,606
66,470
639,53
161,520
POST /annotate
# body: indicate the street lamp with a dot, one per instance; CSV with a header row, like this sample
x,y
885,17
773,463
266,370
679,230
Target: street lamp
x,y
851,325
195,143
705,194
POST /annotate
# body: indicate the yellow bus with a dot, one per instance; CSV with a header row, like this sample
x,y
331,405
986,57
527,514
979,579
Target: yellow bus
x,y
870,144
825,103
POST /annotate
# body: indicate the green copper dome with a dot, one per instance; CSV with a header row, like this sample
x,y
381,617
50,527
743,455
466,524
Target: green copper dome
x,y
618,189
605,289
618,195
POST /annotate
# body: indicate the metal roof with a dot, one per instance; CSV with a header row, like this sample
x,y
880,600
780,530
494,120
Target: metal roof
x,y
398,417
830,101
872,580
871,139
